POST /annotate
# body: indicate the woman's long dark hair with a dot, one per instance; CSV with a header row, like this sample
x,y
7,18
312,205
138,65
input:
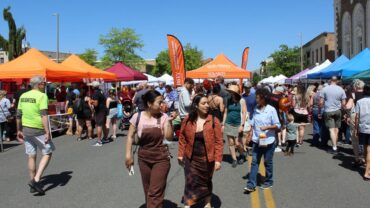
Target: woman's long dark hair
x,y
193,114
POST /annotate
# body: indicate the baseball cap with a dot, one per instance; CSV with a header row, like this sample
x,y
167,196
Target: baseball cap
x,y
76,92
94,84
280,89
248,85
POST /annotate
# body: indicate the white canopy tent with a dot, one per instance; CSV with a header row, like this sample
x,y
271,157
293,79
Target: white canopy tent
x,y
267,80
280,79
316,69
151,78
168,79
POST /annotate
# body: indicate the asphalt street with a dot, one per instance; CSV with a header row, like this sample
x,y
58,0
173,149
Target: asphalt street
x,y
80,175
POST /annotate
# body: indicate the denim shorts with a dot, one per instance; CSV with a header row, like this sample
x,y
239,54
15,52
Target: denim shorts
x,y
364,139
32,142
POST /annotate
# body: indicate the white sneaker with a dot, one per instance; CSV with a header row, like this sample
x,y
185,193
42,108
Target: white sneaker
x,y
165,141
97,144
277,149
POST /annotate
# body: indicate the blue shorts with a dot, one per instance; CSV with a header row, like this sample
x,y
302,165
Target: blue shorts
x,y
364,139
32,142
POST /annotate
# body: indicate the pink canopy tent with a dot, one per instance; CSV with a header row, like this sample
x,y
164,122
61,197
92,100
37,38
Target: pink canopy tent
x,y
125,73
291,79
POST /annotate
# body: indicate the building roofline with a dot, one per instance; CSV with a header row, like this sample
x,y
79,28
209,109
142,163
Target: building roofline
x,y
317,37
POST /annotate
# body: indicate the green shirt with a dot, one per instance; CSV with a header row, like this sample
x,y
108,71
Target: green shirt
x,y
30,104
233,116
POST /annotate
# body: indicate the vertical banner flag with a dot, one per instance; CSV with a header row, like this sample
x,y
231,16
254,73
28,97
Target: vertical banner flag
x,y
245,58
177,60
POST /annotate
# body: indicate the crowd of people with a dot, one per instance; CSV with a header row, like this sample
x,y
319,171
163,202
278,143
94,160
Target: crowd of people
x,y
261,121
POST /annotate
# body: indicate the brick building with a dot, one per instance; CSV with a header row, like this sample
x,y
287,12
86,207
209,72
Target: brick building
x,y
317,50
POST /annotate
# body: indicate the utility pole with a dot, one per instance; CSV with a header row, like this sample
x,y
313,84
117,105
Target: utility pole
x,y
57,15
301,52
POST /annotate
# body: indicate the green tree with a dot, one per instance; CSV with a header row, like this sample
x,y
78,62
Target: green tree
x,y
16,36
286,61
89,56
105,62
121,45
193,59
256,77
163,64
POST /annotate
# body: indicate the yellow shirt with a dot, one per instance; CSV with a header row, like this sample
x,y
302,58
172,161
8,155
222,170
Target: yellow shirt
x,y
31,103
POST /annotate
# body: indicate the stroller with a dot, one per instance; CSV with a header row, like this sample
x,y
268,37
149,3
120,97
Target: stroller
x,y
128,111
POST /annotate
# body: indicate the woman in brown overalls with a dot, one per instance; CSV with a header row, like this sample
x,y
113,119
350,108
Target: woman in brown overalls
x,y
153,155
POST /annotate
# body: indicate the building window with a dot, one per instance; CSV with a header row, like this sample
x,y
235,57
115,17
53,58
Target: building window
x,y
1,60
321,55
313,57
358,28
317,56
347,34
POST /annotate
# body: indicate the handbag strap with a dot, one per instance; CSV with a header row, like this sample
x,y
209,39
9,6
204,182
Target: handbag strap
x,y
136,126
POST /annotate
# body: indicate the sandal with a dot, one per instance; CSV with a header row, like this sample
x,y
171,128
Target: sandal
x,y
113,137
79,139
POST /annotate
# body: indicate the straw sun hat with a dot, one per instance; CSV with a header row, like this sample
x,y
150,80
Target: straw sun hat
x,y
235,90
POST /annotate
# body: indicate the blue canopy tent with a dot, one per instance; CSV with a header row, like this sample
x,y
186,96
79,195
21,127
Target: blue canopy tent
x,y
325,73
359,63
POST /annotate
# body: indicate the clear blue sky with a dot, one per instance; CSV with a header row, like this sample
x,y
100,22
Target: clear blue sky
x,y
214,26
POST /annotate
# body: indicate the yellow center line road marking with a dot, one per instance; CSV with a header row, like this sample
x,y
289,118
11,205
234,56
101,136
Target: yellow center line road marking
x,y
255,199
269,199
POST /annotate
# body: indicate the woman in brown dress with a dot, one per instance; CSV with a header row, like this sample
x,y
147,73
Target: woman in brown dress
x,y
200,151
152,127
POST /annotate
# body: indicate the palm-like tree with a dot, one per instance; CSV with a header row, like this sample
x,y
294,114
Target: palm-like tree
x,y
16,36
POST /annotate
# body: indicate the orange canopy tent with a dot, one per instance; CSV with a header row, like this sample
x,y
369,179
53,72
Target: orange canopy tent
x,y
33,62
220,66
76,62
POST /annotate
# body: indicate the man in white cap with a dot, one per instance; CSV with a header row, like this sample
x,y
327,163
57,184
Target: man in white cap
x,y
33,130
333,98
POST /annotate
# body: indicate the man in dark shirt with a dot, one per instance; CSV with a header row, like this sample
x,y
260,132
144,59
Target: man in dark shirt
x,y
18,94
98,100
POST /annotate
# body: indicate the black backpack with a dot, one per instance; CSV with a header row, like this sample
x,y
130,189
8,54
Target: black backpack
x,y
78,106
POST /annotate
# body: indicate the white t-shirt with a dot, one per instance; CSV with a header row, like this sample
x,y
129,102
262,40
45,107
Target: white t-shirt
x,y
363,109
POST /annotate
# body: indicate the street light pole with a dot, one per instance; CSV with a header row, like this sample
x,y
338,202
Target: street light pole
x,y
301,52
57,15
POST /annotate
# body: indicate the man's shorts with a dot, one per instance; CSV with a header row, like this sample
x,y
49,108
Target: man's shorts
x,y
364,139
100,118
32,142
333,119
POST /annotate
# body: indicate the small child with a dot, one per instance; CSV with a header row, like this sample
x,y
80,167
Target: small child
x,y
291,136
